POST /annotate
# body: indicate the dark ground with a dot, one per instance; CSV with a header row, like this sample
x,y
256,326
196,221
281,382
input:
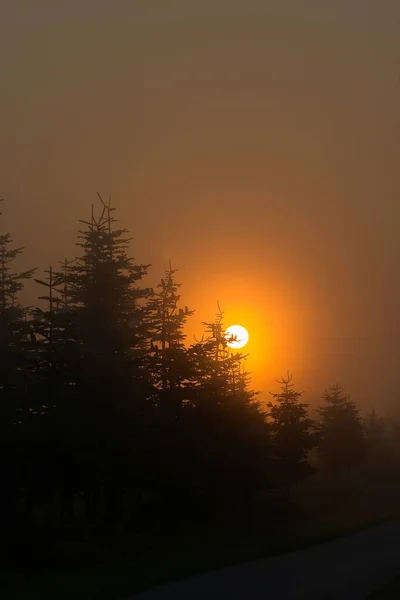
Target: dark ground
x,y
346,568
114,567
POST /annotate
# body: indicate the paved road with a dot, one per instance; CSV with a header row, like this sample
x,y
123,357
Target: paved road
x,y
348,568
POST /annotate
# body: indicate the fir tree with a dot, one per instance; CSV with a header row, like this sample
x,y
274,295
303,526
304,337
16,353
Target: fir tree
x,y
103,287
342,446
169,362
376,431
293,434
381,457
229,438
14,379
54,347
219,370
111,383
14,336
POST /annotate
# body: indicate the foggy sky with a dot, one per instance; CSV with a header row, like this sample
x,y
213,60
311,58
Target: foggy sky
x,y
255,143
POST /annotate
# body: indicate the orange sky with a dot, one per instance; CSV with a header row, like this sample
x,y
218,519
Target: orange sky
x,y
254,143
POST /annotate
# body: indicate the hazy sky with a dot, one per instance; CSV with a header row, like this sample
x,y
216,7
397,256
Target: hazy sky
x,y
253,142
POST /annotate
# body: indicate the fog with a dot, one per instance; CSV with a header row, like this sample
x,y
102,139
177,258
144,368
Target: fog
x,y
254,144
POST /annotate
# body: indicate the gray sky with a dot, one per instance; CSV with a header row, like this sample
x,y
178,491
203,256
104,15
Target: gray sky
x,y
254,143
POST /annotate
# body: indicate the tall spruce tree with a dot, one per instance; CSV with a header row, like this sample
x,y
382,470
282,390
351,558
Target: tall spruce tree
x,y
103,287
110,382
293,434
230,448
343,445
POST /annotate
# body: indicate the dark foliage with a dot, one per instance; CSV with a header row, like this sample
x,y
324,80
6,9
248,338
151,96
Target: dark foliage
x,y
343,445
110,421
293,434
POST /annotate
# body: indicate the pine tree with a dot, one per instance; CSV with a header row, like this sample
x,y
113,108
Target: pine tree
x,y
229,452
54,348
376,432
107,300
293,434
381,458
14,336
169,362
14,378
218,370
111,383
342,446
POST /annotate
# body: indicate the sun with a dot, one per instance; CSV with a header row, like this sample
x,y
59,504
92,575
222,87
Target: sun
x,y
236,336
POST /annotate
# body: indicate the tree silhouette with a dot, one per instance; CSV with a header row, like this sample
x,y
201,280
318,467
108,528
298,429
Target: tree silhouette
x,y
50,331
169,362
104,291
14,335
293,434
14,378
101,397
230,448
342,445
380,456
107,378
375,431
219,370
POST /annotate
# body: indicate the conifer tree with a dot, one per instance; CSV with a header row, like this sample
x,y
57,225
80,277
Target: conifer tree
x,y
54,347
111,383
376,432
219,370
342,446
14,378
380,455
14,336
169,361
230,449
293,434
103,287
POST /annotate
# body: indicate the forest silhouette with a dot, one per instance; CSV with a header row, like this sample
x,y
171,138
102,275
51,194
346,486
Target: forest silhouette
x,y
110,422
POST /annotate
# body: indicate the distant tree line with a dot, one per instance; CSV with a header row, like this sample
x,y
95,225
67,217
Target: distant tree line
x,y
108,418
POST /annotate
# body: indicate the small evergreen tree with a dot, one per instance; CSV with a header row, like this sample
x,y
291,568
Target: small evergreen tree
x,y
376,431
293,434
343,445
380,457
